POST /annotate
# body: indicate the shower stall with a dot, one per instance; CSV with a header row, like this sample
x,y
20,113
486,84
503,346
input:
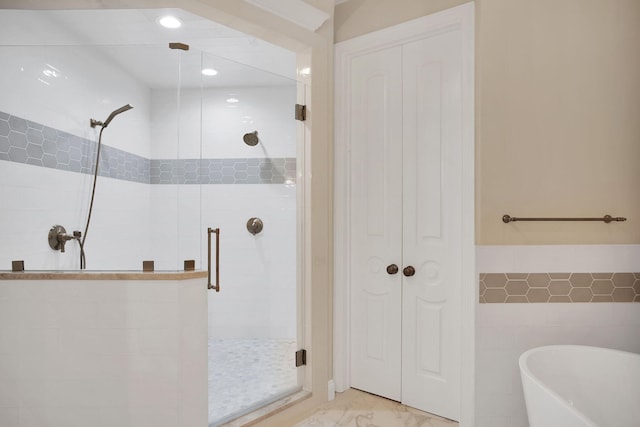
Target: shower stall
x,y
177,164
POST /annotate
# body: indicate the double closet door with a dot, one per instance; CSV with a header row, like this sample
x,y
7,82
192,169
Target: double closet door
x,y
405,256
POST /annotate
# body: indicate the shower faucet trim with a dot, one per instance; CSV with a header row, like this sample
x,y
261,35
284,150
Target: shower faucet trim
x,y
58,237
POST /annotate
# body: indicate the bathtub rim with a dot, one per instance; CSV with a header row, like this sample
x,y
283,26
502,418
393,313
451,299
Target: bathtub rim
x,y
525,371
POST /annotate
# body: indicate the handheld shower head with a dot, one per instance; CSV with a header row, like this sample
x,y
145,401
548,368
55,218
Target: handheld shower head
x,y
114,113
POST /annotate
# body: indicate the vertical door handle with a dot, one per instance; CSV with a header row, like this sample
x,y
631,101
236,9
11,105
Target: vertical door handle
x,y
392,269
409,271
217,285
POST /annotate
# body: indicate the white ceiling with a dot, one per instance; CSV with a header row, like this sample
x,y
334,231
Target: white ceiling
x,y
134,39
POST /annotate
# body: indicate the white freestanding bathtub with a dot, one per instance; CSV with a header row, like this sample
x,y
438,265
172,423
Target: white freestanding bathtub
x,y
580,386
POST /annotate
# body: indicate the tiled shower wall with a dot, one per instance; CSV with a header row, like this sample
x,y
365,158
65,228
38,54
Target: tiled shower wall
x,y
47,176
516,317
155,197
25,141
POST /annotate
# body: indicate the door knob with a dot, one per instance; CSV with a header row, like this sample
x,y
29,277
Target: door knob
x,y
392,269
409,271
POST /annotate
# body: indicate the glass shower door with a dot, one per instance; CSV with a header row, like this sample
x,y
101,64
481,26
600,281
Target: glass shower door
x,y
247,188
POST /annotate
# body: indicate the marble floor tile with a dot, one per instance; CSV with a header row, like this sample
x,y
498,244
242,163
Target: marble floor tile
x,y
355,408
245,374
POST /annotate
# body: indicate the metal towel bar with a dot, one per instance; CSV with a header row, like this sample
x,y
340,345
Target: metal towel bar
x,y
607,219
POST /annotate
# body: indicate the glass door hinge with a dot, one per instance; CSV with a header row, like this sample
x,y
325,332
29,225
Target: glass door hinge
x,y
301,358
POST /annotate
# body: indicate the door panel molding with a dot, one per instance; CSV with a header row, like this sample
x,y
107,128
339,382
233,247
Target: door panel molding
x,y
460,19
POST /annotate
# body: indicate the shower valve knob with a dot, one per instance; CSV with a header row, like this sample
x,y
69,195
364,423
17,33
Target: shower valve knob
x,y
254,225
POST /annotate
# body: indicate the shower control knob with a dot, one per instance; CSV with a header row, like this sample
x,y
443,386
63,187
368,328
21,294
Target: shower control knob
x,y
254,225
392,269
409,271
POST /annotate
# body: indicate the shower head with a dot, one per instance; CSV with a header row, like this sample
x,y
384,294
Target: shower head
x,y
114,113
251,138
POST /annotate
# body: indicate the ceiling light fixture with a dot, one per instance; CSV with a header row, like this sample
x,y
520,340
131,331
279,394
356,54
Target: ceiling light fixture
x,y
209,72
170,22
232,100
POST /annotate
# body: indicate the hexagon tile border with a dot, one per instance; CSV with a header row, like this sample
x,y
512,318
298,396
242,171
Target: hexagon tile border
x,y
559,287
24,141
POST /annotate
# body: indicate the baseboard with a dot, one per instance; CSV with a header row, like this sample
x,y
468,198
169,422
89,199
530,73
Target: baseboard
x,y
331,390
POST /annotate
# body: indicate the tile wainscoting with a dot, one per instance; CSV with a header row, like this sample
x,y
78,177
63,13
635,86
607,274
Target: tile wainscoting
x,y
505,331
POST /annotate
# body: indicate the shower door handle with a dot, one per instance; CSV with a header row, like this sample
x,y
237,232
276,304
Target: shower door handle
x,y
217,232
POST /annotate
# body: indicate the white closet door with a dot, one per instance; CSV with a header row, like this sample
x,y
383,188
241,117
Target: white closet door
x,y
432,224
405,183
376,221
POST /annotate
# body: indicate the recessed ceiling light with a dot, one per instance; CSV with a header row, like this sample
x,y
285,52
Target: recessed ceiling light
x,y
232,100
209,72
170,22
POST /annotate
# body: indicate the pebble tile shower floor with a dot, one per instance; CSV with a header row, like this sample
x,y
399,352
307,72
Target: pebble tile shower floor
x,y
245,374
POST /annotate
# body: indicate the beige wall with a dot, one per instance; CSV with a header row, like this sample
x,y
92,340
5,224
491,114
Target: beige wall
x,y
358,17
558,112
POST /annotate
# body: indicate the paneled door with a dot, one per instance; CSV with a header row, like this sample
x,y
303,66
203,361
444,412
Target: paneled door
x,y
405,224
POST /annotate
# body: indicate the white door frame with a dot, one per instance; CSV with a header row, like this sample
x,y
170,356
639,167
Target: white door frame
x,y
462,17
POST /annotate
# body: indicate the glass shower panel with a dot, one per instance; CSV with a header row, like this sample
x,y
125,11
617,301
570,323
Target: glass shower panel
x,y
48,151
248,175
175,125
186,167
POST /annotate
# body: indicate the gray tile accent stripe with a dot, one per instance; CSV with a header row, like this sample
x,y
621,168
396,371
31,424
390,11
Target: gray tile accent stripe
x,y
223,171
559,287
120,164
24,141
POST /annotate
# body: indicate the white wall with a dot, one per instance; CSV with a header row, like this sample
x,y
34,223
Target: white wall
x,y
86,85
268,110
35,198
505,331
